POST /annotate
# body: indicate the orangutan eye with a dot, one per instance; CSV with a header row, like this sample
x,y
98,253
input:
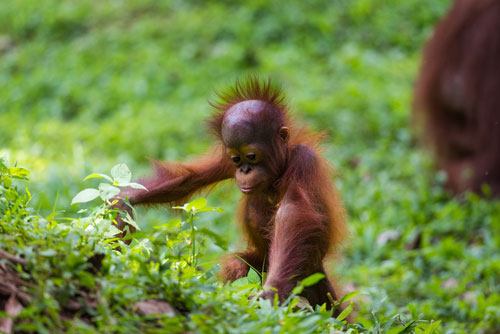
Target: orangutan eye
x,y
236,159
251,156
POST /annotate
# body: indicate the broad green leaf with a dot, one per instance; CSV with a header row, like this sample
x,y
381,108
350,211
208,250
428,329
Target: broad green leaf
x,y
253,277
121,174
19,172
107,191
240,282
197,204
85,196
173,222
313,279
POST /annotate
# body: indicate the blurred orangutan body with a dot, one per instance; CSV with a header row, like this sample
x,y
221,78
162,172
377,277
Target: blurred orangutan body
x,y
458,95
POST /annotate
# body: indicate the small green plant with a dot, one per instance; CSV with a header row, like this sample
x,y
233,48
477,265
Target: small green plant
x,y
13,206
191,209
108,192
120,178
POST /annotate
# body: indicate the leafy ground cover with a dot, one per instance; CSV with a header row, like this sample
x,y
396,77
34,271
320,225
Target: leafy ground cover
x,y
155,285
85,85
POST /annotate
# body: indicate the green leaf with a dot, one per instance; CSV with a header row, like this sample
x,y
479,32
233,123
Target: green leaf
x,y
197,204
19,172
345,312
388,324
253,277
184,207
413,311
107,191
48,253
86,279
129,220
112,231
174,222
85,196
246,262
137,186
348,296
3,168
409,327
99,176
395,330
313,279
7,181
29,194
121,174
432,327
240,282
298,289
219,240
210,209
186,225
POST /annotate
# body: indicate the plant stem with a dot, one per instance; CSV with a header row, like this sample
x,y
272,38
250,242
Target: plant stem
x,y
193,240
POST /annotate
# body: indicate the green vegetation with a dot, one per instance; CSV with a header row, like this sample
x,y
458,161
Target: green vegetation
x,y
85,85
102,284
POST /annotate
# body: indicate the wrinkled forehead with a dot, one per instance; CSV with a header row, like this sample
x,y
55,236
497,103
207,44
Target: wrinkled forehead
x,y
244,123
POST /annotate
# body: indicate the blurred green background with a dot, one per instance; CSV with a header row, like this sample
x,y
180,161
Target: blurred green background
x,y
85,85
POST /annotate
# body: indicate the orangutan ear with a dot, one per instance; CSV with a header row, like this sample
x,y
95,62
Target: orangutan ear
x,y
284,134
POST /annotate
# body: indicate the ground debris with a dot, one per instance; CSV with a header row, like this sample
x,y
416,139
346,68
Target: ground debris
x,y
155,306
12,295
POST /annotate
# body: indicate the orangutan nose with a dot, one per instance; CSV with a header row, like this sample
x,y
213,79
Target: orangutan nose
x,y
245,168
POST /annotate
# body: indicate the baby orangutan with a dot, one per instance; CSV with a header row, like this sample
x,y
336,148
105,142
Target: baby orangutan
x,y
290,212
